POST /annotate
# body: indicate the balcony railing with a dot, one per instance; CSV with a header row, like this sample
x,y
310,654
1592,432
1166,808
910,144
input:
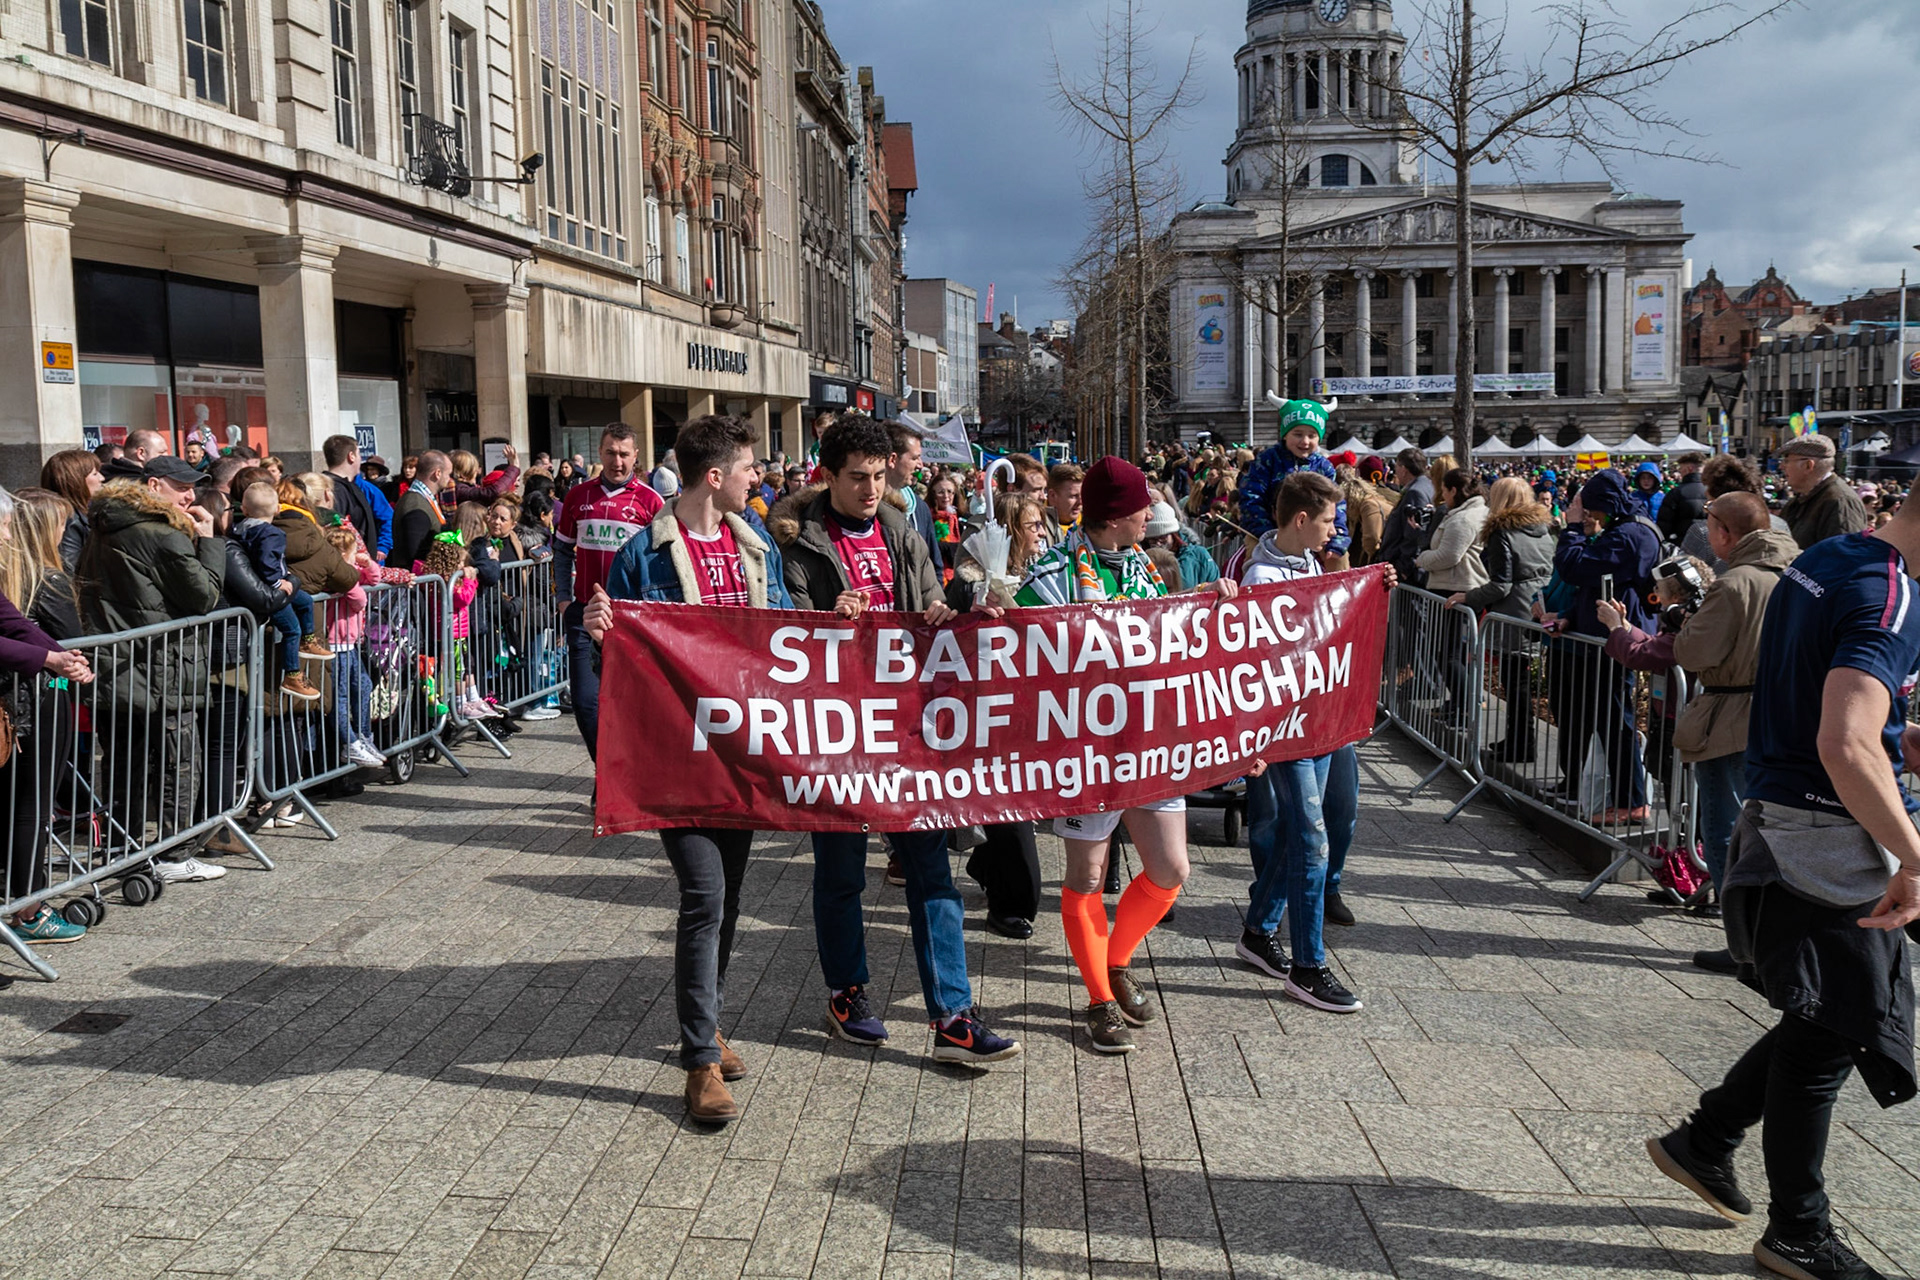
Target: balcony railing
x,y
436,161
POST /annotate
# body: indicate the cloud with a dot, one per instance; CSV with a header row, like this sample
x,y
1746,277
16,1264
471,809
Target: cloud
x,y
1813,117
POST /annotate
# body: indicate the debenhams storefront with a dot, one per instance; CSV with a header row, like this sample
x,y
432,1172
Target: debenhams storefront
x,y
654,364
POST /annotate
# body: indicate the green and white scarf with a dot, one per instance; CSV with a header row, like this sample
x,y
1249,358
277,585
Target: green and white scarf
x,y
1070,574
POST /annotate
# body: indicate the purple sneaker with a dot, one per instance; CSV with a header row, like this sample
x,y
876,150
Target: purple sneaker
x,y
966,1040
853,1018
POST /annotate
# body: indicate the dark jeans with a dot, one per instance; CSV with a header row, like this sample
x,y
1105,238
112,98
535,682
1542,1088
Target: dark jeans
x,y
585,676
1516,681
1340,804
223,728
1007,866
1592,694
710,866
26,783
294,621
935,911
1786,1083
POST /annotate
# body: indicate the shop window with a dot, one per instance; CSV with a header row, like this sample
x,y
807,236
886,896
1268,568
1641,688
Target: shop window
x,y
87,27
650,227
207,40
656,50
682,253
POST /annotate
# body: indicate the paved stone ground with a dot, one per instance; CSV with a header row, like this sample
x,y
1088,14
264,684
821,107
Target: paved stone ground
x,y
443,1046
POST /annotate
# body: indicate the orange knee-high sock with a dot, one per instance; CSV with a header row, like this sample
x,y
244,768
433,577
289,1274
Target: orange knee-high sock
x,y
1141,907
1085,917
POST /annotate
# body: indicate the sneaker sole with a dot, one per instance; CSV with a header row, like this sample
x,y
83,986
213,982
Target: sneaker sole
x,y
967,1057
301,697
1780,1266
716,1120
1252,957
1312,1001
32,941
1666,1164
841,1033
314,657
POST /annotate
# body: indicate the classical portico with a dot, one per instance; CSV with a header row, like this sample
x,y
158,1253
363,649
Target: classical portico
x,y
1331,259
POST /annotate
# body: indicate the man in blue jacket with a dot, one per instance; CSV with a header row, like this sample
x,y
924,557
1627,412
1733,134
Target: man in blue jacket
x,y
700,552
1608,550
1303,427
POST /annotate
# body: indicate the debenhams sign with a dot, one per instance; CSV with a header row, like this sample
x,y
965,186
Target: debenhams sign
x,y
706,359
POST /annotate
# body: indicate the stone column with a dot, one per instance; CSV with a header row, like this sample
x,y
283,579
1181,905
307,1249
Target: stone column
x,y
37,418
1502,319
296,341
699,404
500,361
1549,320
790,428
763,427
1296,89
1317,324
1453,320
636,410
1270,359
1616,329
1409,324
1361,366
1326,89
1590,379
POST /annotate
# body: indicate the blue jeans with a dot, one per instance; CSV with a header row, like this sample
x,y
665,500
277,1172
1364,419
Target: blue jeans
x,y
1340,804
935,910
1287,834
1722,784
352,696
585,676
294,621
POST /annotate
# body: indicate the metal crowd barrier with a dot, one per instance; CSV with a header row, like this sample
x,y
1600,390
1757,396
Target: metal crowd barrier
x,y
1548,721
1431,685
155,756
514,647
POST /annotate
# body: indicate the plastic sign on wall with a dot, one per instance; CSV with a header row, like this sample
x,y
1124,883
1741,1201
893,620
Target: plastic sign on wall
x,y
1648,296
1210,327
56,362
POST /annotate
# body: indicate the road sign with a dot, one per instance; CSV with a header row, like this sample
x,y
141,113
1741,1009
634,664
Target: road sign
x,y
56,362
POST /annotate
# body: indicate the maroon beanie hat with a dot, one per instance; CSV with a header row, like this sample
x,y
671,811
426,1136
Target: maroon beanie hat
x,y
1374,468
1115,489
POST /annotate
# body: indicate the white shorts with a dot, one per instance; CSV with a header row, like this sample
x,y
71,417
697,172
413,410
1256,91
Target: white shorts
x,y
1101,826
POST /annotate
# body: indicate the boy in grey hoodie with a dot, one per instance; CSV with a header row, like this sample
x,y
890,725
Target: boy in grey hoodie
x,y
1309,807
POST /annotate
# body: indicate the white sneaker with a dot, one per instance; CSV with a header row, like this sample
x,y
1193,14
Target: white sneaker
x,y
288,814
187,869
362,753
541,713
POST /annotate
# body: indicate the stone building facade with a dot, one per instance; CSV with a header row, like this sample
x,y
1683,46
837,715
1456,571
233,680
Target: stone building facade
x,y
1332,259
275,230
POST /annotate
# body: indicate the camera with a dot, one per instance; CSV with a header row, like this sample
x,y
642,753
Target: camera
x,y
1677,576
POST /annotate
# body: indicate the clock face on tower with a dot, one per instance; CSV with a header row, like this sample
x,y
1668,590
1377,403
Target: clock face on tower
x,y
1333,10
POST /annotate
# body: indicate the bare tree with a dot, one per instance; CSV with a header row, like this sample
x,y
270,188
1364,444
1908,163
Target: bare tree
x,y
1128,111
1590,91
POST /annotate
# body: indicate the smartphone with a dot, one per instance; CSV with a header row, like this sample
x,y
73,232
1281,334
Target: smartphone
x,y
1606,586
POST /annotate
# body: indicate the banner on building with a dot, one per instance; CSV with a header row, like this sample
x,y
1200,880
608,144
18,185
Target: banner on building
x,y
946,444
1649,359
778,721
1210,330
1429,384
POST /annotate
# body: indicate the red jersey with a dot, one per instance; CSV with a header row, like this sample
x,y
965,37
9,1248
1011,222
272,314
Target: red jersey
x,y
716,566
595,524
869,565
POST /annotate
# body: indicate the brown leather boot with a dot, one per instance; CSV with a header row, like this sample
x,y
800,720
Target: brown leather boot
x,y
707,1098
732,1065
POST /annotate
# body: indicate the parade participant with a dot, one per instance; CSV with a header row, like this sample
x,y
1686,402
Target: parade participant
x,y
1822,877
1064,483
848,550
595,522
1291,879
1102,560
1303,426
701,552
900,472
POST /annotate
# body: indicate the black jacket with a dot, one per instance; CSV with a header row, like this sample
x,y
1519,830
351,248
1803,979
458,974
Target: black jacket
x,y
1402,540
415,521
72,538
353,504
1685,503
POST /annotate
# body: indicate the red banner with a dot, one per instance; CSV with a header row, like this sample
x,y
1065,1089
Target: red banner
x,y
781,721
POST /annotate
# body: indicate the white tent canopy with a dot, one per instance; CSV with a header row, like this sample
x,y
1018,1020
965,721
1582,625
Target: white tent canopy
x,y
1439,448
1394,446
1354,443
1540,447
1634,446
1495,447
1586,444
1876,443
1684,443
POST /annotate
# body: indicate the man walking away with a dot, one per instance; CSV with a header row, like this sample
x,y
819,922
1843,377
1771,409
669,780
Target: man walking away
x,y
700,552
599,516
1822,877
1822,506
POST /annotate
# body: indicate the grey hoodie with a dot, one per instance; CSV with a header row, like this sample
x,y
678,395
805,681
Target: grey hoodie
x,y
1269,563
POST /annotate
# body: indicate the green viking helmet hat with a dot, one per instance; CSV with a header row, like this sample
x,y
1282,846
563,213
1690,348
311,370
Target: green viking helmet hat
x,y
1304,413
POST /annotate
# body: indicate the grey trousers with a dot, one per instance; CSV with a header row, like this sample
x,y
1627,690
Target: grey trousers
x,y
710,866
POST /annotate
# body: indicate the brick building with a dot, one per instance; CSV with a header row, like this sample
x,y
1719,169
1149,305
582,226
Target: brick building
x,y
1723,326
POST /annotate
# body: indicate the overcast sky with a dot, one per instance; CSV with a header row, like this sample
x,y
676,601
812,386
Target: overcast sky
x,y
1816,116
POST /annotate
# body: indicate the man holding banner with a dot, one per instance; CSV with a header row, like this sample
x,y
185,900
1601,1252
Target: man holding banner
x,y
700,551
848,551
